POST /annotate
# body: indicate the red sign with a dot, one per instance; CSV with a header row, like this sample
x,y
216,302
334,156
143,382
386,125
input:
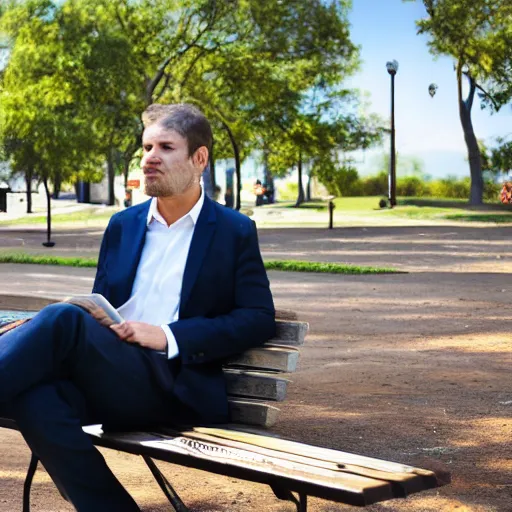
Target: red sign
x,y
133,184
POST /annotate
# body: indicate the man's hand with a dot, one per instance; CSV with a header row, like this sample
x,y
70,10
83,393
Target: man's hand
x,y
145,335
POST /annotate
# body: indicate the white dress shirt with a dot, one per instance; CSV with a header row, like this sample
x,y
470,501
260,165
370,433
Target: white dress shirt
x,y
156,291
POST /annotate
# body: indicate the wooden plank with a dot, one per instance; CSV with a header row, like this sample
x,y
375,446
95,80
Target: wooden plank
x,y
408,478
244,464
237,433
290,333
252,412
255,385
286,314
280,359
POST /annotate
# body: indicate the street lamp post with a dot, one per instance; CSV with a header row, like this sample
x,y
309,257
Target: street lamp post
x,y
392,68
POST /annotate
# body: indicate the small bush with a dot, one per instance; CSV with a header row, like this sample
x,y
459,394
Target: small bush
x,y
288,191
412,186
375,185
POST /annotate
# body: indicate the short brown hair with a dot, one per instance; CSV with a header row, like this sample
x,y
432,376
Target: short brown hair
x,y
183,118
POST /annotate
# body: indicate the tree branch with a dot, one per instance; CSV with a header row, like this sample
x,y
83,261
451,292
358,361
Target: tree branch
x,y
475,85
168,77
487,95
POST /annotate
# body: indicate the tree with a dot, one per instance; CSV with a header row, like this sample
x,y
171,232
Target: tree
x,y
478,35
43,130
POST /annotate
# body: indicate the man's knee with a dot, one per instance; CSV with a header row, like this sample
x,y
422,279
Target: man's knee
x,y
61,311
38,410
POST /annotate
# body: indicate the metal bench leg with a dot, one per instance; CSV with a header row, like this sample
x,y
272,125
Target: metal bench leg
x,y
28,482
284,494
166,487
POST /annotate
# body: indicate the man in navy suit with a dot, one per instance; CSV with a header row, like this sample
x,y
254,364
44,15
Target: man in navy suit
x,y
187,276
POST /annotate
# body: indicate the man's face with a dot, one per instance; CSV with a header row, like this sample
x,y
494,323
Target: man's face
x,y
168,168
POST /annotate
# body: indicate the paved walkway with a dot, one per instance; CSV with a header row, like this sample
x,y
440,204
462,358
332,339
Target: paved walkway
x,y
457,248
410,367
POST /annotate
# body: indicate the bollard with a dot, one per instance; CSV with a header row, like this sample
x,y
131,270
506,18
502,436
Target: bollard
x,y
331,210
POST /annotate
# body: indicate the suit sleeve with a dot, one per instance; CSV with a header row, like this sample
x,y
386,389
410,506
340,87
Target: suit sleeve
x,y
249,324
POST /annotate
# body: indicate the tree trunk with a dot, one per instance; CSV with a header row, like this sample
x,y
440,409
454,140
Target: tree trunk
x,y
28,192
300,196
474,157
308,188
57,184
269,179
111,174
48,242
236,152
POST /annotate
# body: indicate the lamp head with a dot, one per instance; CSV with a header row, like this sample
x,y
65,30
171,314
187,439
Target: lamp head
x,y
432,89
392,67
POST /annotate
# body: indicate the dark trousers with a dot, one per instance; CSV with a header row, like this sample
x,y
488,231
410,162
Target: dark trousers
x,y
63,370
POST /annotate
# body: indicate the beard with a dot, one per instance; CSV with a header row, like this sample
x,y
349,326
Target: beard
x,y
171,183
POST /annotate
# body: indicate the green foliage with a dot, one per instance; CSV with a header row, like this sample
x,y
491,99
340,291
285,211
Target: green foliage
x,y
450,187
287,191
501,156
412,186
478,34
350,184
375,185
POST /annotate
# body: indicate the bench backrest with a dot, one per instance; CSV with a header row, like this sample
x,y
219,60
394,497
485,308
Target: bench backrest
x,y
259,376
256,380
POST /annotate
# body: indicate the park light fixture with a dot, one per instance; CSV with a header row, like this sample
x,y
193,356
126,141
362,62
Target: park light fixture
x,y
432,89
392,67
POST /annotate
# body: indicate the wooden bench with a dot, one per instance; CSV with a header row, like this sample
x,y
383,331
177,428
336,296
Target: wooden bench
x,y
257,381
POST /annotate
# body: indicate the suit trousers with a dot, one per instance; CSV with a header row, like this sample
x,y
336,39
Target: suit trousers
x,y
63,370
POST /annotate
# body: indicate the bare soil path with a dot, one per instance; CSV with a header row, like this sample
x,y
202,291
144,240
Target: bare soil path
x,y
410,367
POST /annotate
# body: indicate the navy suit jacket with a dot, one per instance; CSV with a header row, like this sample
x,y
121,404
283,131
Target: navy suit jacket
x,y
226,306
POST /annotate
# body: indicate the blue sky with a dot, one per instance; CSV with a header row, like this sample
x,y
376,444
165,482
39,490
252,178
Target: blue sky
x,y
426,127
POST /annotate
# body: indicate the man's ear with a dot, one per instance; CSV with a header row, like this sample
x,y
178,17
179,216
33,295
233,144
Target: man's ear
x,y
200,157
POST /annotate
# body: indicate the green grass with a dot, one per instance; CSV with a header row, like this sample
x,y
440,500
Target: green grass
x,y
481,217
60,218
417,212
48,260
325,268
284,265
341,203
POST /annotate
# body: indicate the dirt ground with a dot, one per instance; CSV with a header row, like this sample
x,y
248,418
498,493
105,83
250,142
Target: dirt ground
x,y
411,367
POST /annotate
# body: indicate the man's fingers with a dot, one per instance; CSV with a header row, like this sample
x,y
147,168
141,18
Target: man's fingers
x,y
124,331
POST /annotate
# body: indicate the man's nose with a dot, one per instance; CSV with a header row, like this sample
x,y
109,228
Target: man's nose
x,y
151,156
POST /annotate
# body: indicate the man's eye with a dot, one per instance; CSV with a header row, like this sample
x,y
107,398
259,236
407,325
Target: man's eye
x,y
147,148
166,146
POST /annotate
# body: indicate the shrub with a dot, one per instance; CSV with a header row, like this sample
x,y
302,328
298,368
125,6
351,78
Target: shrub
x,y
288,191
451,187
412,186
375,185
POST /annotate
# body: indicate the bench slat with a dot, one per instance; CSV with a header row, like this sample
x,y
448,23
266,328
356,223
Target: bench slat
x,y
281,359
290,333
255,385
252,412
410,479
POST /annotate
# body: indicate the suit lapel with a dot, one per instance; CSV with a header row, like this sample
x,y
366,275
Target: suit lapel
x,y
203,233
133,239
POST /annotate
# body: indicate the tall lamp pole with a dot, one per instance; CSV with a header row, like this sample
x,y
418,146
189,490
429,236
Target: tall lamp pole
x,y
392,68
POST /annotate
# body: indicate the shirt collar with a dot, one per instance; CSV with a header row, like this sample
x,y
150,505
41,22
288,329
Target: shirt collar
x,y
153,212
